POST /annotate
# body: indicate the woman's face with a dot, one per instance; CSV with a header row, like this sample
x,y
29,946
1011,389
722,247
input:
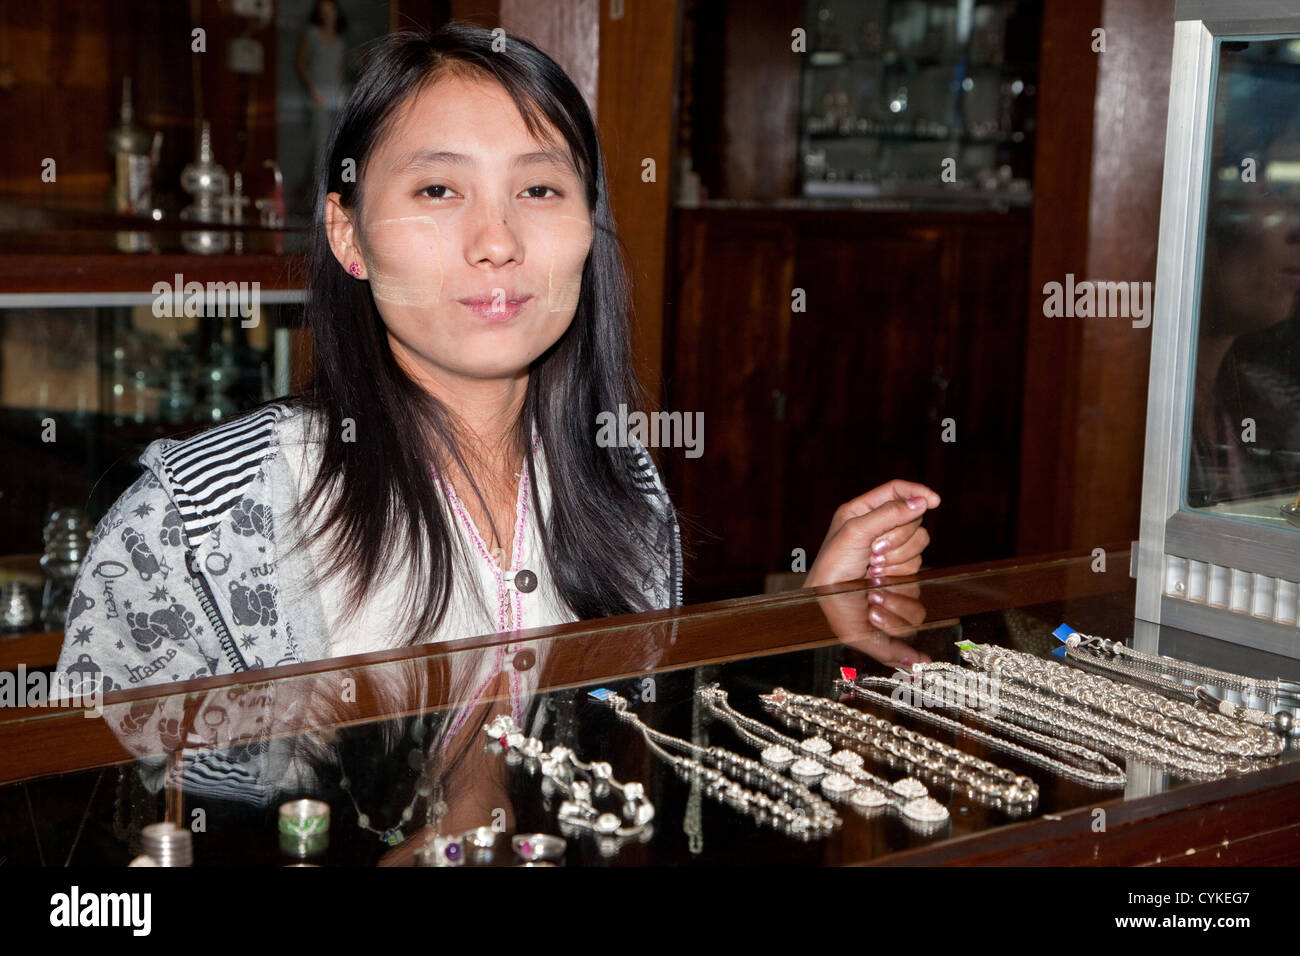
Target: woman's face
x,y
473,235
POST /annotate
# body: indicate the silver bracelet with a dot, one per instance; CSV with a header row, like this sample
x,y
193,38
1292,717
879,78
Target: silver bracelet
x,y
578,812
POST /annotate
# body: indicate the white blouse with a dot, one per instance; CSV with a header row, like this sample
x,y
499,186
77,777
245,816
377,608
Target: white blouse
x,y
492,600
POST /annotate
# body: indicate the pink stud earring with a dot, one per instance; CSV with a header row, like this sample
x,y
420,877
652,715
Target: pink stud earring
x,y
354,269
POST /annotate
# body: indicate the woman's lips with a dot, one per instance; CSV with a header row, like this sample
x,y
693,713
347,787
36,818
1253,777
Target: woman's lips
x,y
495,310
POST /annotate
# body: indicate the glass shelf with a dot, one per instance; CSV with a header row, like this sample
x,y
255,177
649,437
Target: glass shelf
x,y
902,93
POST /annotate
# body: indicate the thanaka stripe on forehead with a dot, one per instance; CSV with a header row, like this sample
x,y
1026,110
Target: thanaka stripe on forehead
x,y
432,157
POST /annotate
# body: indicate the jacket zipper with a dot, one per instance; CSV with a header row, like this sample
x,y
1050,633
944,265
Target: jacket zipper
x,y
209,604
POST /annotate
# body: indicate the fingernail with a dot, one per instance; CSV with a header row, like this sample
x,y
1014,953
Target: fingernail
x,y
877,617
875,597
878,561
915,503
880,546
907,662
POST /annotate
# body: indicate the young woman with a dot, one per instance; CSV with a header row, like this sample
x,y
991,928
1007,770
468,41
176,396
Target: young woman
x,y
441,476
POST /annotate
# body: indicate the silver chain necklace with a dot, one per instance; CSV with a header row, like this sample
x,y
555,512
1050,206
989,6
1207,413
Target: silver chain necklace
x,y
783,804
877,734
1171,719
842,774
1048,714
1083,771
1088,650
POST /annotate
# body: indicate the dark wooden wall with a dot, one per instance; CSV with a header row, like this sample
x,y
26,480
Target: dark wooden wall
x,y
1096,214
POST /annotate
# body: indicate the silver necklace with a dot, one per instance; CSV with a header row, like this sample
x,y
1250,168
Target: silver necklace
x,y
1050,715
879,735
784,804
579,782
1088,650
842,774
1170,719
1109,774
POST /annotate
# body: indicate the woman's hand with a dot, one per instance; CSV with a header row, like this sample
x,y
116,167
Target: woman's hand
x,y
878,622
877,534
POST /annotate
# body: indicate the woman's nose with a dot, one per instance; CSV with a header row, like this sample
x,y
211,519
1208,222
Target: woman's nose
x,y
495,240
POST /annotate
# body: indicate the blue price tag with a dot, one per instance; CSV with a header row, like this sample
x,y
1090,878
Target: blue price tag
x,y
600,693
1062,634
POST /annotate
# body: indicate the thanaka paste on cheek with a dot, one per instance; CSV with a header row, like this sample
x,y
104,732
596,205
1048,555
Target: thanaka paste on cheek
x,y
425,286
564,289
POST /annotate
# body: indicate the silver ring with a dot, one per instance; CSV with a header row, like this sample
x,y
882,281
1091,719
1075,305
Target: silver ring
x,y
480,838
532,847
441,851
304,819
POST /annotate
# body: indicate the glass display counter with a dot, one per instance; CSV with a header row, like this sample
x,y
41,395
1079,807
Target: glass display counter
x,y
393,746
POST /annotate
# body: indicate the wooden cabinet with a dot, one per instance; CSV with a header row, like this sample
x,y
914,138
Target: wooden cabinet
x,y
831,350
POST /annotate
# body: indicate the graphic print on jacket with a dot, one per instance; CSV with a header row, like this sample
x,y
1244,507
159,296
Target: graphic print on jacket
x,y
180,578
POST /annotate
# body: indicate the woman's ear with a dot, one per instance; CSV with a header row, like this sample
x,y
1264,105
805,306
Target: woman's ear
x,y
342,237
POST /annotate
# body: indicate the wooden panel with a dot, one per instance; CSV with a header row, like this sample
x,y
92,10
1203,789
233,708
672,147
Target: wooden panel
x,y
1124,225
978,473
912,319
1225,822
861,360
37,649
733,315
1097,207
1062,176
569,32
745,98
637,99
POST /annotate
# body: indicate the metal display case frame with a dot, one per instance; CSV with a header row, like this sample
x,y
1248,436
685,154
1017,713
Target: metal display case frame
x,y
1203,572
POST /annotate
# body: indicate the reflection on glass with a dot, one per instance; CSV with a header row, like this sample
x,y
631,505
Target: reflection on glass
x,y
1244,453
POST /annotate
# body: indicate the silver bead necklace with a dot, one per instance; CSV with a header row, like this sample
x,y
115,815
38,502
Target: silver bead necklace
x,y
561,770
1087,761
784,804
881,736
841,774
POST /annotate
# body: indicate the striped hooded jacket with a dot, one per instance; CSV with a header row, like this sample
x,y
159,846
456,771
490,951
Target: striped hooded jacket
x,y
183,576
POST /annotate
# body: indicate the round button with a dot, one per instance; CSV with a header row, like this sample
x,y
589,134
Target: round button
x,y
524,660
526,581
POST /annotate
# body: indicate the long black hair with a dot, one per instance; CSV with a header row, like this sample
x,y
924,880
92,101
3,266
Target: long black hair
x,y
383,513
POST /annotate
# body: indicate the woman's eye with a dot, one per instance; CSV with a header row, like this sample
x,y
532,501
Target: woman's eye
x,y
428,190
533,191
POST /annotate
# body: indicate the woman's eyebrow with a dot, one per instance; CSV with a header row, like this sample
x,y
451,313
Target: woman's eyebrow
x,y
434,157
